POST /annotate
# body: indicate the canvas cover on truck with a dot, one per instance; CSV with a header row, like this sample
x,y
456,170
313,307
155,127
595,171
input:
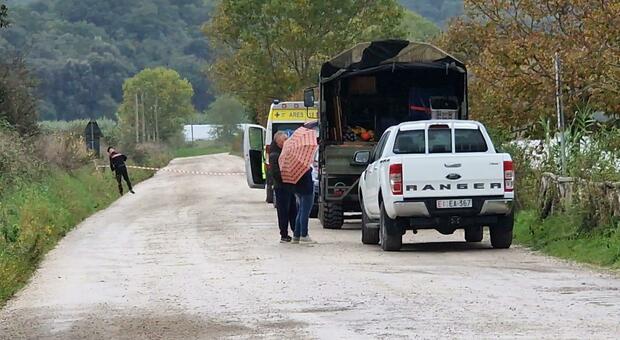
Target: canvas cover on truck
x,y
375,54
375,85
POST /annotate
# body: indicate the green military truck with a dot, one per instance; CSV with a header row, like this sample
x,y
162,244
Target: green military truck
x,y
364,91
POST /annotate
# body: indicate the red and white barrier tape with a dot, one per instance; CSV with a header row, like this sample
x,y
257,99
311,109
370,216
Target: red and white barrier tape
x,y
209,173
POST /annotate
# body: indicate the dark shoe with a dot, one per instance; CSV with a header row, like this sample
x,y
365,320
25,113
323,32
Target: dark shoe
x,y
131,191
285,239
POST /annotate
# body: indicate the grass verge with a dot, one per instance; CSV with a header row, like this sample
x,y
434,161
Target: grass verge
x,y
34,216
200,148
560,236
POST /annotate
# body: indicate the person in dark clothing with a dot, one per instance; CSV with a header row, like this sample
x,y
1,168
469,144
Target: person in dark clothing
x,y
304,191
284,192
117,164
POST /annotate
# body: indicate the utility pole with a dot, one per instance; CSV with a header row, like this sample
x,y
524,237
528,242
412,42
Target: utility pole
x,y
156,119
192,128
142,95
137,121
560,110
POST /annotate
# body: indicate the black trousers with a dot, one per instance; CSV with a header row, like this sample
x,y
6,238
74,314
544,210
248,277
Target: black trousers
x,y
121,172
286,205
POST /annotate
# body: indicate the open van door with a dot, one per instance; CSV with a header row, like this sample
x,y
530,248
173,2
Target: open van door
x,y
253,146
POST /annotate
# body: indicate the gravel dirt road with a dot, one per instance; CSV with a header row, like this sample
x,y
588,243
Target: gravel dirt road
x,y
198,257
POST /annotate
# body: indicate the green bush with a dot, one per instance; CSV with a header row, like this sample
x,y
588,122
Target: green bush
x,y
63,150
17,160
236,147
47,187
585,224
562,236
36,215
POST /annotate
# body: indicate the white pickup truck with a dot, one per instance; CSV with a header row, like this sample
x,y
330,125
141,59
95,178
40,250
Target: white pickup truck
x,y
437,174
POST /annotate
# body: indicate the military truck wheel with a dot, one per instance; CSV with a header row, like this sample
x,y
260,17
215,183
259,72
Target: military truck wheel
x,y
331,215
391,235
474,234
501,233
370,235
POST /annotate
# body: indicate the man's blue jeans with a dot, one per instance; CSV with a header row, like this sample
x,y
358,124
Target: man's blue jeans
x,y
305,203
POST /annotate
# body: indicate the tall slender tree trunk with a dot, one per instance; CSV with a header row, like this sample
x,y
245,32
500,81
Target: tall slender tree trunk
x,y
143,119
156,119
137,121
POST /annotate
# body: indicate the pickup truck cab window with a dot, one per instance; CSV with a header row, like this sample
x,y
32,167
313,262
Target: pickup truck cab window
x,y
440,140
410,142
469,140
380,147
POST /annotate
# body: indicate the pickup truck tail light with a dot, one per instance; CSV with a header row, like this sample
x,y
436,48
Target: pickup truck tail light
x,y
396,179
509,176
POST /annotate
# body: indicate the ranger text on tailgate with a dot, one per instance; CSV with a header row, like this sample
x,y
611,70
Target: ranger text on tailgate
x,y
436,174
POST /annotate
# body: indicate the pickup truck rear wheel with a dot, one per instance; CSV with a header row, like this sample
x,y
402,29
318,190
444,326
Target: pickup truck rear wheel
x,y
391,237
331,215
501,233
474,234
369,235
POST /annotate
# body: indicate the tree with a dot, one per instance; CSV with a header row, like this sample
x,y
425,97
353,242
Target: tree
x,y
226,113
83,50
269,49
4,22
18,105
509,48
156,103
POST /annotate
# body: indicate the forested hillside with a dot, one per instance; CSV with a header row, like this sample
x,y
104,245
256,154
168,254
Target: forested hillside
x,y
83,50
18,2
439,11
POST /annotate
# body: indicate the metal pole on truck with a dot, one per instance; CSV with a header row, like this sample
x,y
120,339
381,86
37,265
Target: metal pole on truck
x,y
560,110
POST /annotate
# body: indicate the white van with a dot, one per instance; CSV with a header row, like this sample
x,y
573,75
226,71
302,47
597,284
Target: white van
x,y
283,116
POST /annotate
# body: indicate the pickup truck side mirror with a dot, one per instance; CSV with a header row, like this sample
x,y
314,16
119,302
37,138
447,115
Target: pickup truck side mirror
x,y
361,158
309,97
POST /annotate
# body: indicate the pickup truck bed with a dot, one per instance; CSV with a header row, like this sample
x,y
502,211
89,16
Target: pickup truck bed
x,y
443,175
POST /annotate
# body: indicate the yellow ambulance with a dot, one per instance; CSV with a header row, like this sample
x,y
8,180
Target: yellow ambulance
x,y
283,116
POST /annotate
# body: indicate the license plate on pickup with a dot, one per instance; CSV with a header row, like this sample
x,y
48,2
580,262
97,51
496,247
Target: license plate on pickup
x,y
454,204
